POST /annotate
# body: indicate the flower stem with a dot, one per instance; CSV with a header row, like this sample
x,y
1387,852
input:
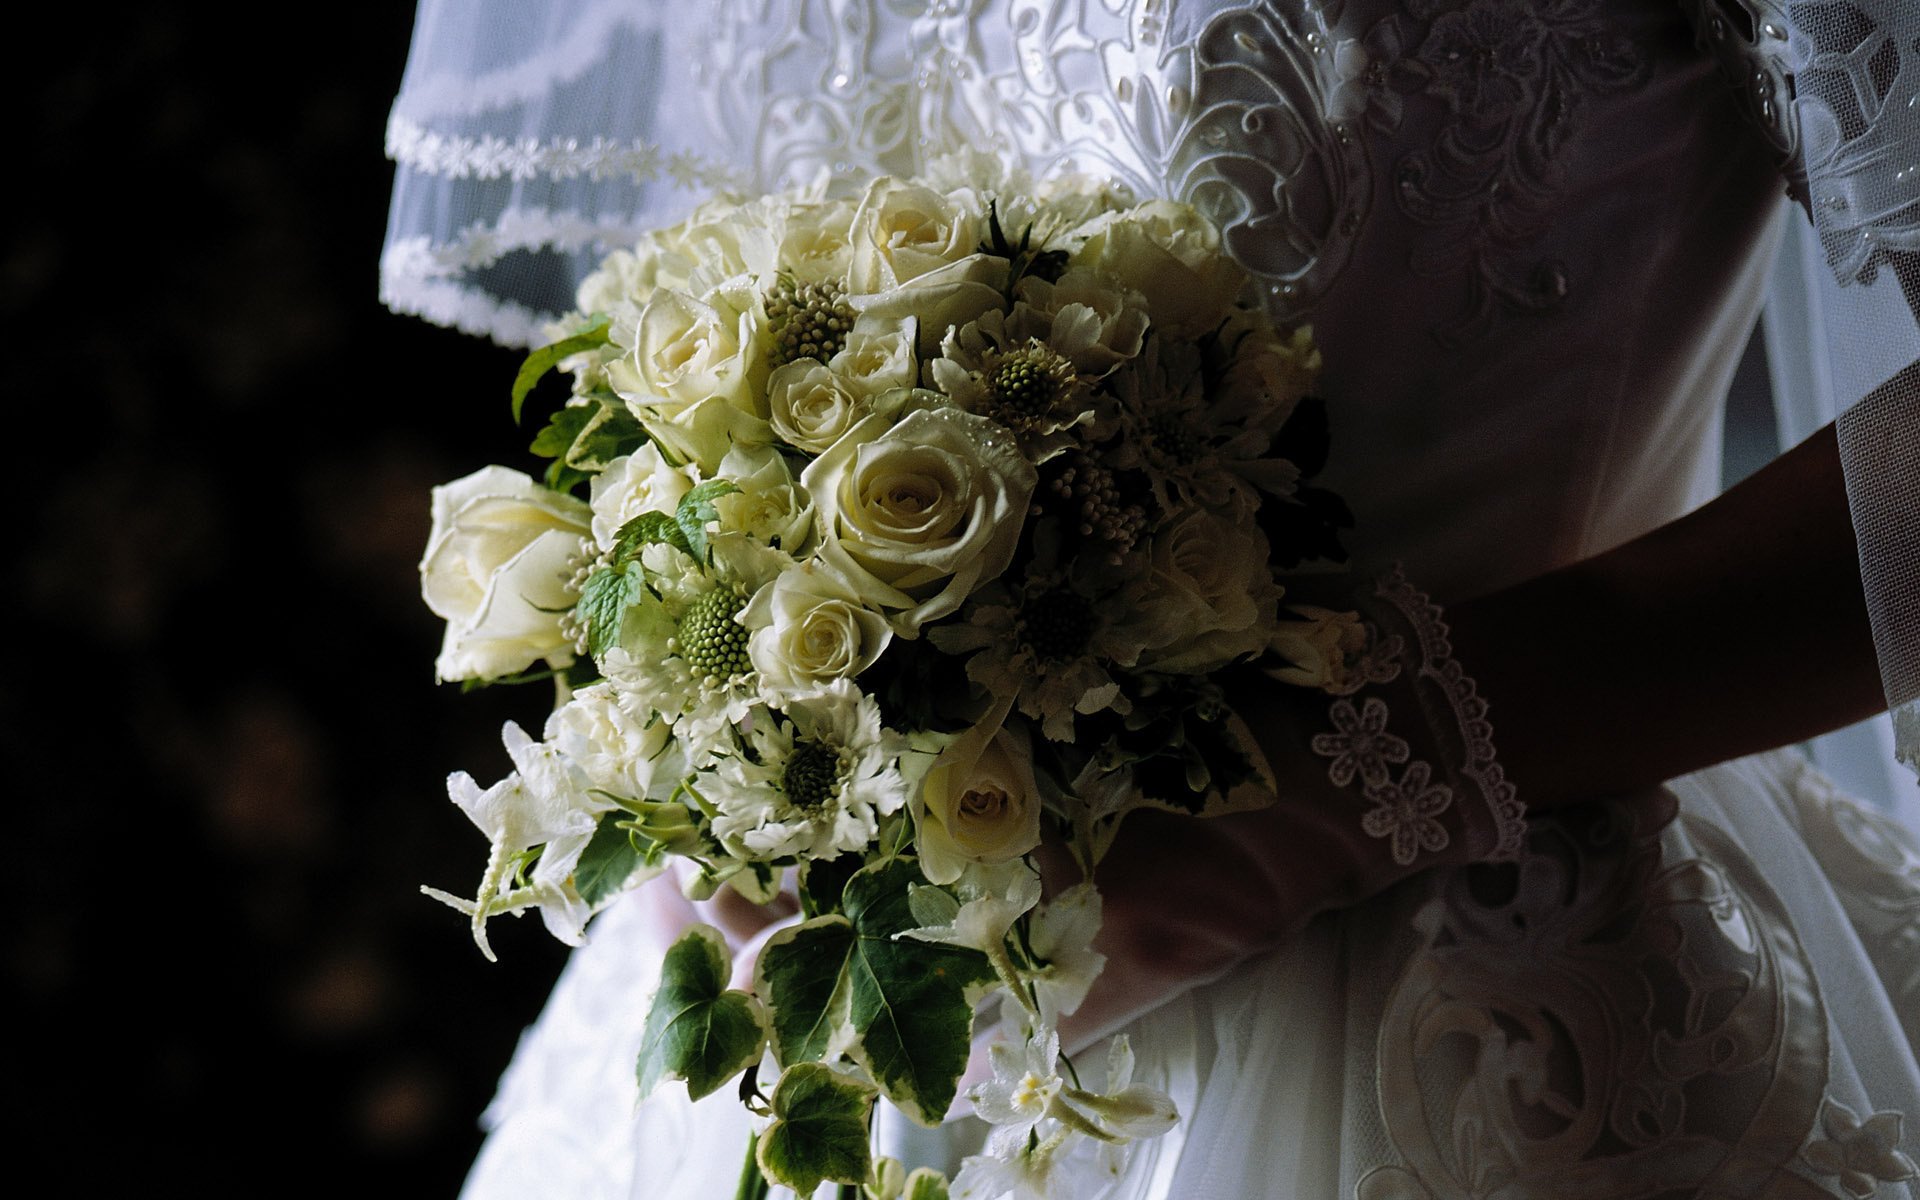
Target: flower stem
x,y
753,1185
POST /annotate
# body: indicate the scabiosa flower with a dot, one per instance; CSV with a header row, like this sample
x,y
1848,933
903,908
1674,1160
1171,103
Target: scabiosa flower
x,y
1020,383
809,782
1045,642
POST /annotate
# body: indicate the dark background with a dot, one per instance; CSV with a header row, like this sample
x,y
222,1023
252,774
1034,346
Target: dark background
x,y
219,717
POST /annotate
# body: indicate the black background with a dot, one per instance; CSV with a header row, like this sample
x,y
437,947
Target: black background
x,y
220,723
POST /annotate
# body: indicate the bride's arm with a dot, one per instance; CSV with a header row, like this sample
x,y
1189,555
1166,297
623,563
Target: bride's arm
x,y
1734,629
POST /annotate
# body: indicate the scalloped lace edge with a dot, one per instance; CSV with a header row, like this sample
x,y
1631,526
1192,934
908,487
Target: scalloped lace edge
x,y
1468,708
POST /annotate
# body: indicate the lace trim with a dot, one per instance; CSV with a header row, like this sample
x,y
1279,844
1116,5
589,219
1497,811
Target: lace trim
x,y
1468,708
422,279
456,156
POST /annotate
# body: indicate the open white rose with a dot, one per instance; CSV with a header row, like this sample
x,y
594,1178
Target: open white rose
x,y
979,802
813,240
1206,598
636,483
695,372
502,552
950,295
1171,254
915,517
810,629
903,230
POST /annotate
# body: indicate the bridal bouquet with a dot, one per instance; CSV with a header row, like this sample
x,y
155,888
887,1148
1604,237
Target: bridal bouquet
x,y
886,533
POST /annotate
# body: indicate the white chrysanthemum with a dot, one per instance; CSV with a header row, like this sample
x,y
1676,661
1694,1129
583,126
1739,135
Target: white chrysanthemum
x,y
632,484
808,783
1045,643
615,751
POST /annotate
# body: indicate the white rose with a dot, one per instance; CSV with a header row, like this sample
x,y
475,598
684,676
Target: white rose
x,y
1086,320
979,802
1171,254
769,507
1320,647
813,240
953,294
917,516
809,629
810,407
636,483
878,356
1206,598
903,230
720,240
502,552
695,371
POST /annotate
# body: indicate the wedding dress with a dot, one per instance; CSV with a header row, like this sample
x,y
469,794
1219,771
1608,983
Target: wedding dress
x,y
1532,237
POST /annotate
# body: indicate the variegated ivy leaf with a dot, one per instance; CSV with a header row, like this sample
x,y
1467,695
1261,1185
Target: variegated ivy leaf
x,y
901,1008
697,1030
819,1130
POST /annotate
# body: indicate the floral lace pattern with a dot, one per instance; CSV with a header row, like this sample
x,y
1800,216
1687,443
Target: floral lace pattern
x,y
1505,1066
1513,77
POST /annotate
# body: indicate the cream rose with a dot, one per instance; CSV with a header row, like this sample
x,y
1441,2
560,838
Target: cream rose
x,y
695,372
916,516
770,506
902,230
810,407
1206,598
497,567
636,483
1320,647
809,629
878,356
979,802
1171,255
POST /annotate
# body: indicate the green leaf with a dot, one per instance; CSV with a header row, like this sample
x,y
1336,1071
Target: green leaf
x,y
819,1132
612,434
547,357
901,1008
696,1030
696,509
645,530
557,436
604,600
609,860
802,974
925,1184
